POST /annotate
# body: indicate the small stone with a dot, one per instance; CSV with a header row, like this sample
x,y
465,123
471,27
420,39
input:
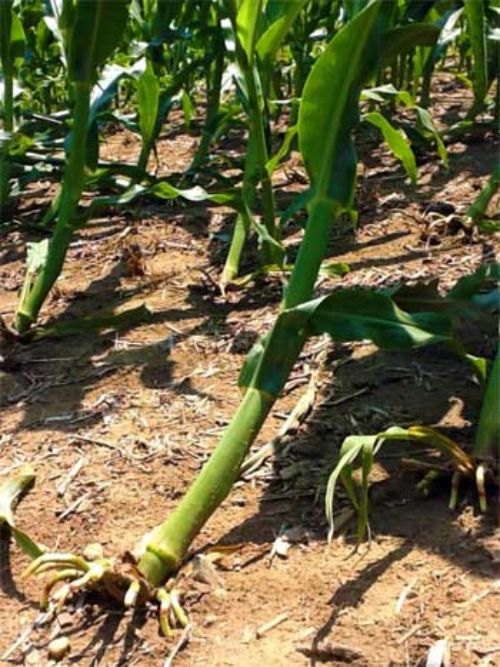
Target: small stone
x,y
65,619
210,620
58,648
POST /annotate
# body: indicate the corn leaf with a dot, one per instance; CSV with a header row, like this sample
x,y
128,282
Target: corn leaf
x,y
476,27
477,210
406,37
366,447
273,37
417,10
10,493
478,289
328,110
397,142
91,31
12,38
148,98
161,190
357,314
284,149
345,315
353,7
487,440
247,20
425,120
486,277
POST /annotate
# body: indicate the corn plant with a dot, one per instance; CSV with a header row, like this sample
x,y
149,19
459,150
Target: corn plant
x,y
254,49
328,112
464,465
91,31
476,213
471,298
11,52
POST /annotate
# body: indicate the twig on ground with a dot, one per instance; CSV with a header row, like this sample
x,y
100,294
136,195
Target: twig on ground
x,y
265,627
70,477
74,505
183,640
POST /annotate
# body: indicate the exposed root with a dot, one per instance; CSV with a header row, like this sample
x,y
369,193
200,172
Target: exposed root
x,y
119,579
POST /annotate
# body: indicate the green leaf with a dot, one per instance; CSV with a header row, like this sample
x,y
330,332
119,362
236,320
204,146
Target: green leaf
x,y
397,142
187,109
11,491
148,97
12,38
379,93
470,286
272,38
161,190
91,30
328,110
247,20
487,440
353,7
356,314
476,27
346,315
338,269
477,210
406,37
425,120
262,231
366,447
283,150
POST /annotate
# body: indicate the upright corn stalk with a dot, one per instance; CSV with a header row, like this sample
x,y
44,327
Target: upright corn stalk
x,y
254,50
91,31
11,51
477,29
487,441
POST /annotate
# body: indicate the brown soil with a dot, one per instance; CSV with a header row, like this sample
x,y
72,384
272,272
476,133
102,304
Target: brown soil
x,y
146,406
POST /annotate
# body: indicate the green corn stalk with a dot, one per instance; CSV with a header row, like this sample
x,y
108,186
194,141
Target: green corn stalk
x,y
11,50
91,31
476,27
254,55
476,213
487,441
328,112
214,73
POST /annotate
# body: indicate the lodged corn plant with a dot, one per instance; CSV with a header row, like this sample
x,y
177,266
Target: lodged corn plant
x,y
328,113
370,38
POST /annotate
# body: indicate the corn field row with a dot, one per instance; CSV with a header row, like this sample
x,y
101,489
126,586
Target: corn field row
x,y
313,76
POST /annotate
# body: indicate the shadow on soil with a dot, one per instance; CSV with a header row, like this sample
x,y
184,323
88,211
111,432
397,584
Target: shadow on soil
x,y
432,387
72,365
